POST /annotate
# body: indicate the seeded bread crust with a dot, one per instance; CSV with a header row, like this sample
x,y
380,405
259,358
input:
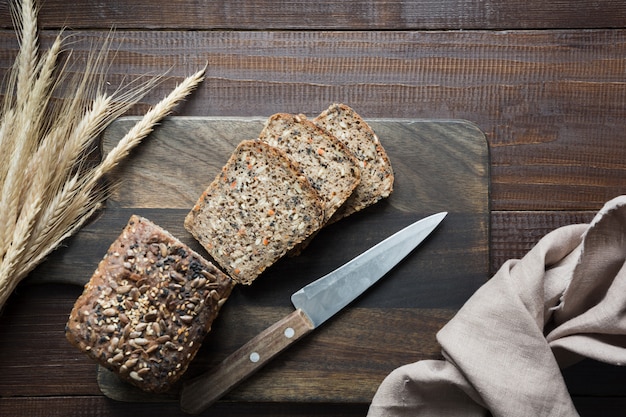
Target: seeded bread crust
x,y
376,173
324,160
257,209
148,306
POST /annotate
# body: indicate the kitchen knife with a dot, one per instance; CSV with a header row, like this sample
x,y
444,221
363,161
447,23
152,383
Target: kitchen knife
x,y
315,303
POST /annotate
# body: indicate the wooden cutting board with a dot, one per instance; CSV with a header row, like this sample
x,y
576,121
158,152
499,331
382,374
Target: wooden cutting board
x,y
439,165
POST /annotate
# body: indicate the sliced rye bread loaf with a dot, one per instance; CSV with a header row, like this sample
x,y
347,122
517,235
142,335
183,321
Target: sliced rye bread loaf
x,y
324,160
376,173
258,208
148,306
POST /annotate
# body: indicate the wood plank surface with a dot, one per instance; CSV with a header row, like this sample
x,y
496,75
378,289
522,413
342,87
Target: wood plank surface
x,y
102,407
549,102
514,233
543,80
94,406
330,15
438,166
55,374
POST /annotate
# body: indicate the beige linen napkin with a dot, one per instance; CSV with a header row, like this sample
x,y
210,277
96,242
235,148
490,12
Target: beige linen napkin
x,y
563,301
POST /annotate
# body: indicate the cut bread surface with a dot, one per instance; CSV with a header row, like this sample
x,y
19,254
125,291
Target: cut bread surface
x,y
377,175
325,161
257,209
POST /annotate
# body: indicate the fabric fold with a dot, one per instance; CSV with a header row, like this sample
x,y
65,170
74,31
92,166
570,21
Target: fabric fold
x,y
505,348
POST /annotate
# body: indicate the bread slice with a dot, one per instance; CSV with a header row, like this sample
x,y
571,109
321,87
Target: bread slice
x,y
257,209
325,161
376,173
148,306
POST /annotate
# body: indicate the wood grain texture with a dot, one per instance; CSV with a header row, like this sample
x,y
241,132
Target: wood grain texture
x,y
98,406
550,102
330,15
514,233
174,166
102,407
320,368
205,390
438,165
59,381
52,368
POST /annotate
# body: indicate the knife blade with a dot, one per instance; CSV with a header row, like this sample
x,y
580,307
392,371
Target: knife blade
x,y
314,304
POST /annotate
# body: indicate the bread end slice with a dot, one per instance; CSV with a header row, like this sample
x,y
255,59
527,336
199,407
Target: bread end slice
x,y
377,175
325,161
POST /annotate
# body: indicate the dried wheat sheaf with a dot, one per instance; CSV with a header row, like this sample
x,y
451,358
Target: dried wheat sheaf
x,y
47,189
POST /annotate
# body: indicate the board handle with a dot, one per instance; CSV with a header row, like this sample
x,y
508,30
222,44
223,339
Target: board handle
x,y
201,392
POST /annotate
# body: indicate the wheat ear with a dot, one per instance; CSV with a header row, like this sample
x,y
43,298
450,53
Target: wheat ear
x,y
48,191
146,125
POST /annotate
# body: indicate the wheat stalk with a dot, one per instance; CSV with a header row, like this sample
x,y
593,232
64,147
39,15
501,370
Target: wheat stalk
x,y
48,191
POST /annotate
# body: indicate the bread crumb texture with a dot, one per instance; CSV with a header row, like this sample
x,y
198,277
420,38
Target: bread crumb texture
x,y
325,161
148,306
257,209
377,176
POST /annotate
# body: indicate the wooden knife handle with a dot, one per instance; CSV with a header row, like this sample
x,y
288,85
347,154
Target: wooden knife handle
x,y
199,393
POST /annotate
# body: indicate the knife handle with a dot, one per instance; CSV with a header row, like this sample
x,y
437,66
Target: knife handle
x,y
202,391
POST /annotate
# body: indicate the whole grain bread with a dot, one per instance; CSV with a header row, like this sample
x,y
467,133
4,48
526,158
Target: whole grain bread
x,y
148,306
258,208
325,161
377,175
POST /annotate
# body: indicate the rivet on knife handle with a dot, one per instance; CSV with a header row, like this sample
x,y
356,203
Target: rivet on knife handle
x,y
201,392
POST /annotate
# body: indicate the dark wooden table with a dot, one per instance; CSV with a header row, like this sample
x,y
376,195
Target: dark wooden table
x,y
544,81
